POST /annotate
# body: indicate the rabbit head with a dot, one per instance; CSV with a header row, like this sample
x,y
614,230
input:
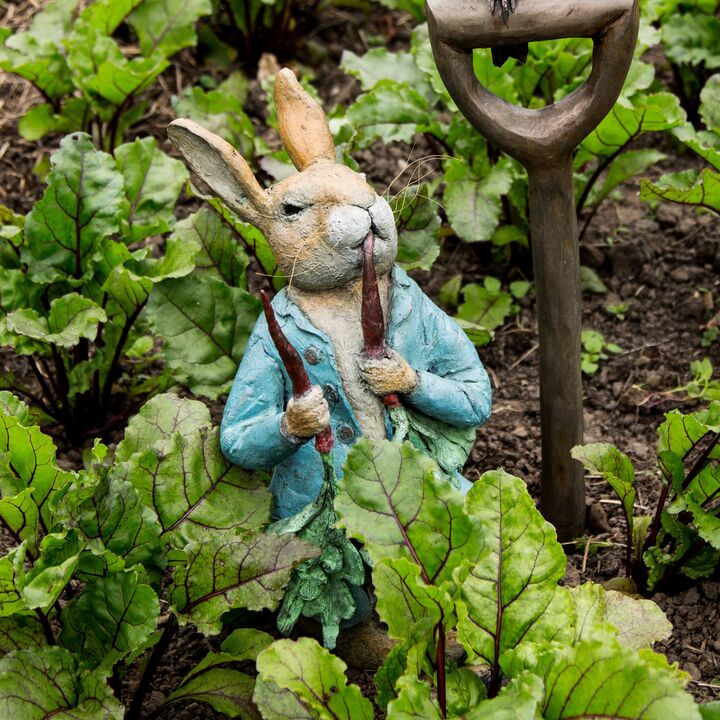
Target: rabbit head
x,y
314,220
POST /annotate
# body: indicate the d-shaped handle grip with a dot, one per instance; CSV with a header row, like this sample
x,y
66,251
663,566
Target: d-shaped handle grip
x,y
535,137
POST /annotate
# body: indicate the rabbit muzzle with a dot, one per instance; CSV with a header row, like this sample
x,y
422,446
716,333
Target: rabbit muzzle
x,y
348,226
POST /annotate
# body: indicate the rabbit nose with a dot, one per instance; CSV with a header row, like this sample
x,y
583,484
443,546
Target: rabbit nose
x,y
348,226
382,220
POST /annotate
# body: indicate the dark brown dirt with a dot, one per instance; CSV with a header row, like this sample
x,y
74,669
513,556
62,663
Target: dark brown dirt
x,y
665,263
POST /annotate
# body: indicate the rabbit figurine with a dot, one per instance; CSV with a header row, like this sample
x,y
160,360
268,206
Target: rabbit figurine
x,y
316,222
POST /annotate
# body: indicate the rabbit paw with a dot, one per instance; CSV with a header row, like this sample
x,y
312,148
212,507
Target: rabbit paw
x,y
307,415
388,375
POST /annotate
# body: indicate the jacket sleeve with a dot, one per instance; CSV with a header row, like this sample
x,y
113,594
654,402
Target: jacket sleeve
x,y
454,386
250,435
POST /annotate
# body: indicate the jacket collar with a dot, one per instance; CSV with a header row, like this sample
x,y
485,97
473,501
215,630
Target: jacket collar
x,y
400,304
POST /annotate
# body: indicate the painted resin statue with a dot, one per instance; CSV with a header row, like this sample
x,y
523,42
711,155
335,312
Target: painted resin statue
x,y
320,223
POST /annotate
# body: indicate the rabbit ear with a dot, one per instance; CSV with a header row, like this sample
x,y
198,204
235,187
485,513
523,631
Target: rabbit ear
x,y
303,126
221,166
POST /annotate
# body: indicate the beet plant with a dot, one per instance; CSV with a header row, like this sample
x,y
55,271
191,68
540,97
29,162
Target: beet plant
x,y
696,187
70,54
109,560
487,566
75,281
681,536
83,284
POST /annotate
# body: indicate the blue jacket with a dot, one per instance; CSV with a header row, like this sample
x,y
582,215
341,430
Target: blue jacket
x,y
454,388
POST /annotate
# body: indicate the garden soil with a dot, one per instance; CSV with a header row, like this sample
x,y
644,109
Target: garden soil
x,y
663,263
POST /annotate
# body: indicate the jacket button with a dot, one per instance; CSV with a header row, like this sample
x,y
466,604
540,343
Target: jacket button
x,y
331,394
312,355
345,433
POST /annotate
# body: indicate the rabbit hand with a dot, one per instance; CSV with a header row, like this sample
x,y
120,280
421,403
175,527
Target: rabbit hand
x,y
388,375
308,414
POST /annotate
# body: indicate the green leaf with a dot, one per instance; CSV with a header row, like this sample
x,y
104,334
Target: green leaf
x,y
478,335
393,499
416,8
71,318
519,700
129,284
473,201
615,468
316,677
625,166
106,15
40,120
111,515
20,632
253,239
687,187
221,111
153,182
710,104
21,517
628,120
226,571
413,701
600,678
205,325
83,203
680,434
487,305
193,489
246,644
391,111
159,420
374,66
465,690
37,684
27,460
710,711
637,623
692,39
405,600
227,690
37,54
640,623
449,446
221,255
110,619
590,281
49,576
510,595
105,76
275,702
12,579
405,658
418,224
167,25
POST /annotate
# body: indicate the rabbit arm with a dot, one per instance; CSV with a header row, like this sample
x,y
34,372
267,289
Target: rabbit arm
x,y
460,399
453,384
251,434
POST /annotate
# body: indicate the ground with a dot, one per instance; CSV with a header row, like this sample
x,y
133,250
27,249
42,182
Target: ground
x,y
665,264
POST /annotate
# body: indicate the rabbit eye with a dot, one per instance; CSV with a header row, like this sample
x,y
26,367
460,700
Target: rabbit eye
x,y
290,209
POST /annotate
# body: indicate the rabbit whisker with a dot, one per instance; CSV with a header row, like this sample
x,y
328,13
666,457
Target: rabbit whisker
x,y
416,162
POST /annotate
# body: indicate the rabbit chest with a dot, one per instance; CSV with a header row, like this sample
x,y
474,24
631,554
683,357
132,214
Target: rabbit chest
x,y
337,313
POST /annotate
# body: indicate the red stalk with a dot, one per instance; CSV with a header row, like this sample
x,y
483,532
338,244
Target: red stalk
x,y
373,323
295,368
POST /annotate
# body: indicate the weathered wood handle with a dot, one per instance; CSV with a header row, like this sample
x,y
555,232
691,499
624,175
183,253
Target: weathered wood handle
x,y
469,24
534,137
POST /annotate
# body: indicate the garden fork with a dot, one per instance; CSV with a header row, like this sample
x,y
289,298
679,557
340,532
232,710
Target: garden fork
x,y
543,140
